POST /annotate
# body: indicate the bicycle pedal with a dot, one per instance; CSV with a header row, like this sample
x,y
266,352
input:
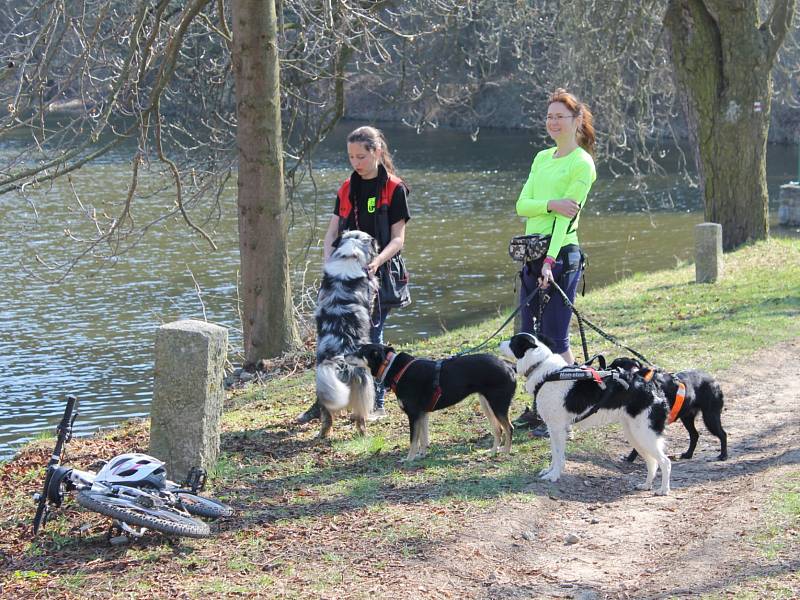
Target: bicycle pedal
x,y
196,479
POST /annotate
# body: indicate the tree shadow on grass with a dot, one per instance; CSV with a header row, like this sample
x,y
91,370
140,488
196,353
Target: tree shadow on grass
x,y
342,483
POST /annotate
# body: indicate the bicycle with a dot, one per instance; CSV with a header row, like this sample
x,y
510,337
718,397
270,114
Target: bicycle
x,y
132,489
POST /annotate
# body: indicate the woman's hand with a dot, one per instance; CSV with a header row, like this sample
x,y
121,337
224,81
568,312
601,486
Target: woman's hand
x,y
547,273
566,207
373,267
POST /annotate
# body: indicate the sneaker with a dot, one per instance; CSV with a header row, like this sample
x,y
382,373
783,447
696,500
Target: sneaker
x,y
377,414
312,414
540,431
528,418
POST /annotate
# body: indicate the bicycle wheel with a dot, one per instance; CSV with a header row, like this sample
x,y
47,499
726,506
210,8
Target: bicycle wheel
x,y
165,520
203,507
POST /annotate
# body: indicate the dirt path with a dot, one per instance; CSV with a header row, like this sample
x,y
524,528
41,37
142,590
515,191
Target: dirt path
x,y
593,536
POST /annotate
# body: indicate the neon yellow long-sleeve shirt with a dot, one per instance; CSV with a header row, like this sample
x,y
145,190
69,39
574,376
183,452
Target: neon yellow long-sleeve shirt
x,y
569,176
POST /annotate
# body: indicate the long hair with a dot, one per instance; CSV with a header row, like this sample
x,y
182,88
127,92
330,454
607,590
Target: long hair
x,y
586,135
373,140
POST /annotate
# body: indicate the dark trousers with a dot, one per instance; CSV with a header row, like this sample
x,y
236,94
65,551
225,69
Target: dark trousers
x,y
556,314
379,315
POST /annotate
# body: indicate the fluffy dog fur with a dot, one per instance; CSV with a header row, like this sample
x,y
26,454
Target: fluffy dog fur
x,y
703,395
491,378
343,324
639,407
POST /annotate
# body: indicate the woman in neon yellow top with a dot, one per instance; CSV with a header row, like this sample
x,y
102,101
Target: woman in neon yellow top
x,y
551,201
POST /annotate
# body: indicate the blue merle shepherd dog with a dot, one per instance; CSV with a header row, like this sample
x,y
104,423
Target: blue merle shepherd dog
x,y
343,314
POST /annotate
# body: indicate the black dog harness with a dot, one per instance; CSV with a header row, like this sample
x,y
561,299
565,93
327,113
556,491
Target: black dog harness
x,y
579,373
575,374
437,388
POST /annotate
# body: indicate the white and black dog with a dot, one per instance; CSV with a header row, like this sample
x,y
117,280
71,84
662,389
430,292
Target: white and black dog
x,y
343,314
639,406
702,394
423,386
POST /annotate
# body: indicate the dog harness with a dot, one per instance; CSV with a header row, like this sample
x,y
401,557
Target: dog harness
x,y
680,396
574,374
396,379
437,389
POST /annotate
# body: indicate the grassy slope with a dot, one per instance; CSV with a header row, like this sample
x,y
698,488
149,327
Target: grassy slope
x,y
314,517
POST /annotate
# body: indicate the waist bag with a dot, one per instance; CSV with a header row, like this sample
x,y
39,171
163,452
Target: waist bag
x,y
527,248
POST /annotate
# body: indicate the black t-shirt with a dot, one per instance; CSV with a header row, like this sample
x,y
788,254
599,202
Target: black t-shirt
x,y
362,215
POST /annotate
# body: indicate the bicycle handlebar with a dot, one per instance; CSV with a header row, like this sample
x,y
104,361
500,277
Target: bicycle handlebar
x,y
63,435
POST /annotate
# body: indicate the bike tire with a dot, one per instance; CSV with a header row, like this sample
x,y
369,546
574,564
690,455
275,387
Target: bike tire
x,y
164,520
203,507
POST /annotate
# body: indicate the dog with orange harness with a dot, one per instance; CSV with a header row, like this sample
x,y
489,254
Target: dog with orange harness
x,y
688,393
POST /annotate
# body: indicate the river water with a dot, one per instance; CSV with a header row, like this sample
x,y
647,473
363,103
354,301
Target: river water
x,y
93,334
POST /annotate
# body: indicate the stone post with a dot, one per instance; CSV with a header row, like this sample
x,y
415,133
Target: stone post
x,y
707,252
188,395
789,208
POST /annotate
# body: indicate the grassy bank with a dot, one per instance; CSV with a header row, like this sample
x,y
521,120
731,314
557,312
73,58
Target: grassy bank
x,y
317,517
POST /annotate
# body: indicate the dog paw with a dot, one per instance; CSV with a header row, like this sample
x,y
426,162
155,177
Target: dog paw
x,y
644,486
660,492
551,476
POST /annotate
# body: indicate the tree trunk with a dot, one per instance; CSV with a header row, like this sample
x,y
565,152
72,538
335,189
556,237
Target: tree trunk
x,y
267,314
723,65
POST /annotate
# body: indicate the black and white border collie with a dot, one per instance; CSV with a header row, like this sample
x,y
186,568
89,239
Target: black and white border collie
x,y
414,382
702,395
343,314
639,406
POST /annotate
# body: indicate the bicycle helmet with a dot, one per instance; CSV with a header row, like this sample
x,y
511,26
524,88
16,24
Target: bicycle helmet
x,y
135,470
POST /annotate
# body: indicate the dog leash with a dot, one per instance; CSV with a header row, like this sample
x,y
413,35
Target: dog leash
x,y
527,299
607,336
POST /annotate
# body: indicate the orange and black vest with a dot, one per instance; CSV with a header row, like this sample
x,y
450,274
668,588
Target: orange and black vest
x,y
382,209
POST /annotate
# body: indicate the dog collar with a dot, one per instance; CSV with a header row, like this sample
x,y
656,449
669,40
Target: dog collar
x,y
384,368
680,396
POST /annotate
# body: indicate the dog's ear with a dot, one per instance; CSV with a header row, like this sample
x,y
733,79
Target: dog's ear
x,y
521,343
365,350
377,354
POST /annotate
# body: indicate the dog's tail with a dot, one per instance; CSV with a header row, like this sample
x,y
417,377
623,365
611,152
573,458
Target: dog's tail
x,y
332,392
